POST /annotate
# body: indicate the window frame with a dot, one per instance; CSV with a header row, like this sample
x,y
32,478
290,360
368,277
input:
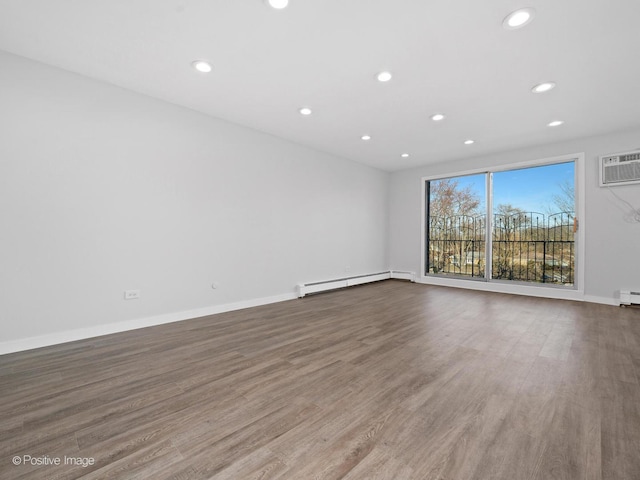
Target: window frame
x,y
513,286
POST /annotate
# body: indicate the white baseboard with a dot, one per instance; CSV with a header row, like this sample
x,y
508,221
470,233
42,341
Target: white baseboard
x,y
31,343
326,285
603,300
533,291
514,289
403,275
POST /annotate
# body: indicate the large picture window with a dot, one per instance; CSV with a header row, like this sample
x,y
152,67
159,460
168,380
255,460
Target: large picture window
x,y
513,225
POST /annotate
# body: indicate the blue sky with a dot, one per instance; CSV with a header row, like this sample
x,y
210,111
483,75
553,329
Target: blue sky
x,y
530,189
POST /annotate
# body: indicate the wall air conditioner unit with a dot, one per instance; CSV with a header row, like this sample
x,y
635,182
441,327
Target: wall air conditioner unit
x,y
620,169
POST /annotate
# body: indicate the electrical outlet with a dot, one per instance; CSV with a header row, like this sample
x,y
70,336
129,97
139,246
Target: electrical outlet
x,y
131,294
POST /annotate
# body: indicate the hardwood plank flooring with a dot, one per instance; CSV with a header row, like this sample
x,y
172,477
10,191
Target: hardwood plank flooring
x,y
390,380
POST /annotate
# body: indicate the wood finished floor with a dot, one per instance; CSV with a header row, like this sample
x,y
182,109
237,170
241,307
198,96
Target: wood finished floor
x,y
386,381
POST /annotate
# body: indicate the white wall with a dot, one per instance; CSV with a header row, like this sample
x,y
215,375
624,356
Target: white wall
x,y
104,190
612,242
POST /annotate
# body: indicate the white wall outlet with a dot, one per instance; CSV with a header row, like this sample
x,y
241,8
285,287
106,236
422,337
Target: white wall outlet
x,y
131,294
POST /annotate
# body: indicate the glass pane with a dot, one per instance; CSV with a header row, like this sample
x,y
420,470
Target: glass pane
x,y
533,215
456,226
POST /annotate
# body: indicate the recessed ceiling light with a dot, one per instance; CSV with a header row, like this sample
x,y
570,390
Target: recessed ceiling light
x,y
305,111
278,4
555,123
543,87
437,117
519,18
469,142
201,66
384,76
366,137
405,155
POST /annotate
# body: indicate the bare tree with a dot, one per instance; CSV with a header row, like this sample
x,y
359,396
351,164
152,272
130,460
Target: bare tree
x,y
564,200
452,222
448,199
510,228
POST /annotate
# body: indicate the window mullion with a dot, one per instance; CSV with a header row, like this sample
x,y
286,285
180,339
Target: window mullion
x,y
488,249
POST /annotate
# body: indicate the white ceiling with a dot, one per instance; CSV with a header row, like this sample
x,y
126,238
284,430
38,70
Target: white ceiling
x,y
446,56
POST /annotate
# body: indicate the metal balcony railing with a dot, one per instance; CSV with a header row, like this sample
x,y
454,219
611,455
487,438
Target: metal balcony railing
x,y
526,246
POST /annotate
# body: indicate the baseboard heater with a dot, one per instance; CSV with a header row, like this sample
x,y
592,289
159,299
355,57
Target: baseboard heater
x,y
628,297
316,287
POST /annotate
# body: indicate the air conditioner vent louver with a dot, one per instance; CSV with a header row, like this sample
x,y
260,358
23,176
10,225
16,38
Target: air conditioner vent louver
x,y
620,169
622,173
629,157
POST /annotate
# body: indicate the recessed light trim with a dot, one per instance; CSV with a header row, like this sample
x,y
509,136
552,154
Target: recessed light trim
x,y
405,155
555,123
306,111
366,137
277,4
519,18
201,66
469,142
437,117
384,76
543,87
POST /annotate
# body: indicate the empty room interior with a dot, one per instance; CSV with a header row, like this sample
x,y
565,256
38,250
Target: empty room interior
x,y
320,239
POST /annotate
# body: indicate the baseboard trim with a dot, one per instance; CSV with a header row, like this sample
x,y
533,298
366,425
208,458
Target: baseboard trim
x,y
602,300
403,275
31,343
336,283
555,293
512,289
